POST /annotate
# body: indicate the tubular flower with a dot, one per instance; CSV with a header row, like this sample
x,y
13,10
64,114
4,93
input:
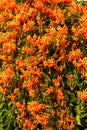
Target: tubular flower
x,y
82,95
59,94
35,107
20,106
75,55
42,119
69,77
28,125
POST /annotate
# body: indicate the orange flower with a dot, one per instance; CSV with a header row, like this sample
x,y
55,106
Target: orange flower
x,y
1,6
32,92
20,106
7,75
55,2
28,26
30,39
12,97
34,107
13,24
4,90
68,119
82,95
69,77
57,81
39,5
28,125
9,58
49,129
59,94
74,55
28,50
16,91
36,71
81,64
9,47
42,119
49,63
67,1
20,63
50,90
72,126
2,18
19,18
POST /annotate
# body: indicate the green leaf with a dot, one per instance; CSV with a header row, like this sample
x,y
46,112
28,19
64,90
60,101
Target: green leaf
x,y
78,101
75,74
85,81
1,105
78,119
1,96
73,98
83,114
77,109
1,128
1,112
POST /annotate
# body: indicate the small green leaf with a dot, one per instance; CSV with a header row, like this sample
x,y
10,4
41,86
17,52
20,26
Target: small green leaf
x,y
1,105
1,96
78,119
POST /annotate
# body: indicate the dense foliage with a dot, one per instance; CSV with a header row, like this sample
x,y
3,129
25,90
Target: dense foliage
x,y
43,65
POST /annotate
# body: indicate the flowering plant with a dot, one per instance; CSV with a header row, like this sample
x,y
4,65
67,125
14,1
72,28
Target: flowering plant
x,y
43,65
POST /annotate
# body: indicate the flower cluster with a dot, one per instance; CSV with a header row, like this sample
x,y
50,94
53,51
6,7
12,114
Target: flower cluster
x,y
42,61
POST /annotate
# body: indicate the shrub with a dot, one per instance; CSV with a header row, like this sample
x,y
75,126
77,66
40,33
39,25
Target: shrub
x,y
43,65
